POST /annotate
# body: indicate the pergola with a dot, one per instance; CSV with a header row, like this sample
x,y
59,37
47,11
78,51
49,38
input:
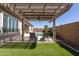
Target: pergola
x,y
40,11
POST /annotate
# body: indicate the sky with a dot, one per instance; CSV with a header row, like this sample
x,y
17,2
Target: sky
x,y
69,17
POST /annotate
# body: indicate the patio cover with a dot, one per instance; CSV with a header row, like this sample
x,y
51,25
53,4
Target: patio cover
x,y
40,11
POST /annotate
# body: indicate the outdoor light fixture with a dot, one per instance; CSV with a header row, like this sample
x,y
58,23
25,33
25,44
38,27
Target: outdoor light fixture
x,y
38,18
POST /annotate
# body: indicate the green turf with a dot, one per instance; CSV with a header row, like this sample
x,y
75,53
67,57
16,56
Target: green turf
x,y
42,49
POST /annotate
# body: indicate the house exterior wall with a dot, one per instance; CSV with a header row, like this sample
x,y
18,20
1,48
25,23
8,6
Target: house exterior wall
x,y
9,34
30,29
27,30
1,19
20,27
12,22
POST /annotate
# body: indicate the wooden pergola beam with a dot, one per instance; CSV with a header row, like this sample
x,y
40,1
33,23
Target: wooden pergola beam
x,y
40,14
36,12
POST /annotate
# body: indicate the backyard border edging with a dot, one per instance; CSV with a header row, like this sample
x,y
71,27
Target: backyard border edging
x,y
70,47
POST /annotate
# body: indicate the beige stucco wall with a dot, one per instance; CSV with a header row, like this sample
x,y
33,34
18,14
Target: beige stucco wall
x,y
1,19
20,27
30,29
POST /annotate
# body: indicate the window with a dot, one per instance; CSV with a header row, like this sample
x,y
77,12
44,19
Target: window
x,y
5,23
10,24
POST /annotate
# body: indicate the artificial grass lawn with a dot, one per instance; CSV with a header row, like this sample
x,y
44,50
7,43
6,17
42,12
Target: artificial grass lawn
x,y
41,49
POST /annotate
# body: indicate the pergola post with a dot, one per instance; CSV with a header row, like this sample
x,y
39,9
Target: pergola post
x,y
54,30
22,29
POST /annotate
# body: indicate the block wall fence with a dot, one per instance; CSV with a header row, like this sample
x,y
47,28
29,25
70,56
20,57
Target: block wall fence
x,y
68,33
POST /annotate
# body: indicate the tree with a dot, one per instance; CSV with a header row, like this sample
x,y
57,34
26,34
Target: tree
x,y
45,32
46,29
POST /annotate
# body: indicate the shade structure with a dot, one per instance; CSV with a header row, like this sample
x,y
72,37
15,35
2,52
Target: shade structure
x,y
40,11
